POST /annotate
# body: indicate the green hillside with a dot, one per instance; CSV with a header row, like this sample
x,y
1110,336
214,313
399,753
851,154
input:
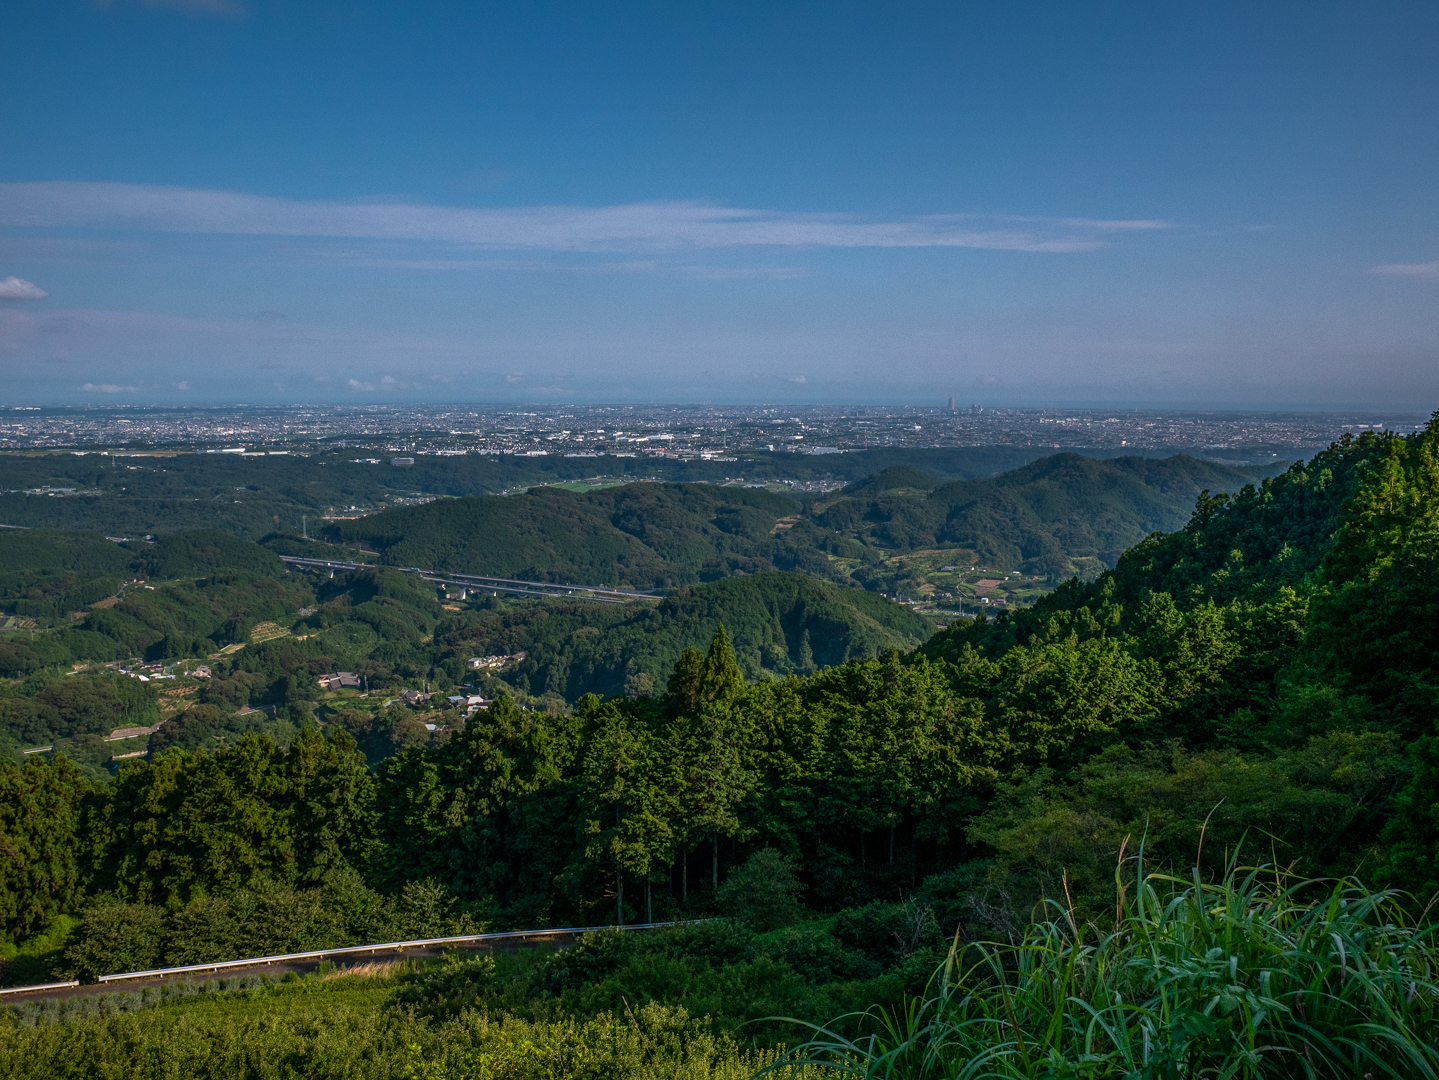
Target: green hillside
x,y
267,632
204,593
639,535
780,623
1052,518
897,479
30,551
1043,519
257,495
176,491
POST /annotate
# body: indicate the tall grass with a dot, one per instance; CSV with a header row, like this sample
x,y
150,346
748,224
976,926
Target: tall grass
x,y
1259,975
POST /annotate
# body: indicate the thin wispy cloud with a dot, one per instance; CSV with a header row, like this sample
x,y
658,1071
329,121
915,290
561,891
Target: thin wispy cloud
x,y
533,265
1428,271
194,7
14,288
656,226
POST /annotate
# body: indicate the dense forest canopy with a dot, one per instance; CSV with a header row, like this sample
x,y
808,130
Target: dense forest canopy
x,y
1267,669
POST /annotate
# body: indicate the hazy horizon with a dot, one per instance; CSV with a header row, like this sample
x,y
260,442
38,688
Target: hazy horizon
x,y
110,402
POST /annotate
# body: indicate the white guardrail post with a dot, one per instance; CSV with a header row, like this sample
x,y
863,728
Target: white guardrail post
x,y
348,950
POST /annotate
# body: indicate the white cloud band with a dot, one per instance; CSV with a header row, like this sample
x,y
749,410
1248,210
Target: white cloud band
x,y
661,226
14,288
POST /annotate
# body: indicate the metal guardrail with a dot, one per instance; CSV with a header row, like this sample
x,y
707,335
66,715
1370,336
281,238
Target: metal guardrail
x,y
522,590
387,946
107,738
41,986
488,581
348,950
601,593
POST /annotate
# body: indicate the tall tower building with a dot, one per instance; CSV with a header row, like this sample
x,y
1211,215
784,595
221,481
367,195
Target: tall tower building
x,y
951,404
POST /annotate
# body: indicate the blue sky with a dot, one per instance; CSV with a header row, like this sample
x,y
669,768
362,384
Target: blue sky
x,y
1162,204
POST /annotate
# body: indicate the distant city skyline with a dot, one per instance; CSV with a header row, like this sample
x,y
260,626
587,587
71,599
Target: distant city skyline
x,y
678,431
1030,204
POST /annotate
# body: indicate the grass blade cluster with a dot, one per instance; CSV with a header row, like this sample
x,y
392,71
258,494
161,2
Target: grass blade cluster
x,y
1259,975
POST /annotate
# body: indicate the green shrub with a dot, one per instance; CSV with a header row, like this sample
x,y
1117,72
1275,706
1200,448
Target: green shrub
x,y
341,1028
593,957
818,957
38,958
763,893
644,1043
426,909
115,936
719,941
265,919
447,989
949,894
1412,831
888,933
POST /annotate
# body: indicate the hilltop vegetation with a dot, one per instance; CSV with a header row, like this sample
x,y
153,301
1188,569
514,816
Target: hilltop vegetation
x,y
895,479
276,496
1350,978
1048,519
781,623
253,496
357,1027
646,535
52,572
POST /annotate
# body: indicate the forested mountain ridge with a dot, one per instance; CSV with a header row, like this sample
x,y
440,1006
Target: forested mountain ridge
x,y
1204,668
1043,518
49,572
645,535
1293,621
253,496
895,479
1299,559
169,491
1051,518
780,624
1040,518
